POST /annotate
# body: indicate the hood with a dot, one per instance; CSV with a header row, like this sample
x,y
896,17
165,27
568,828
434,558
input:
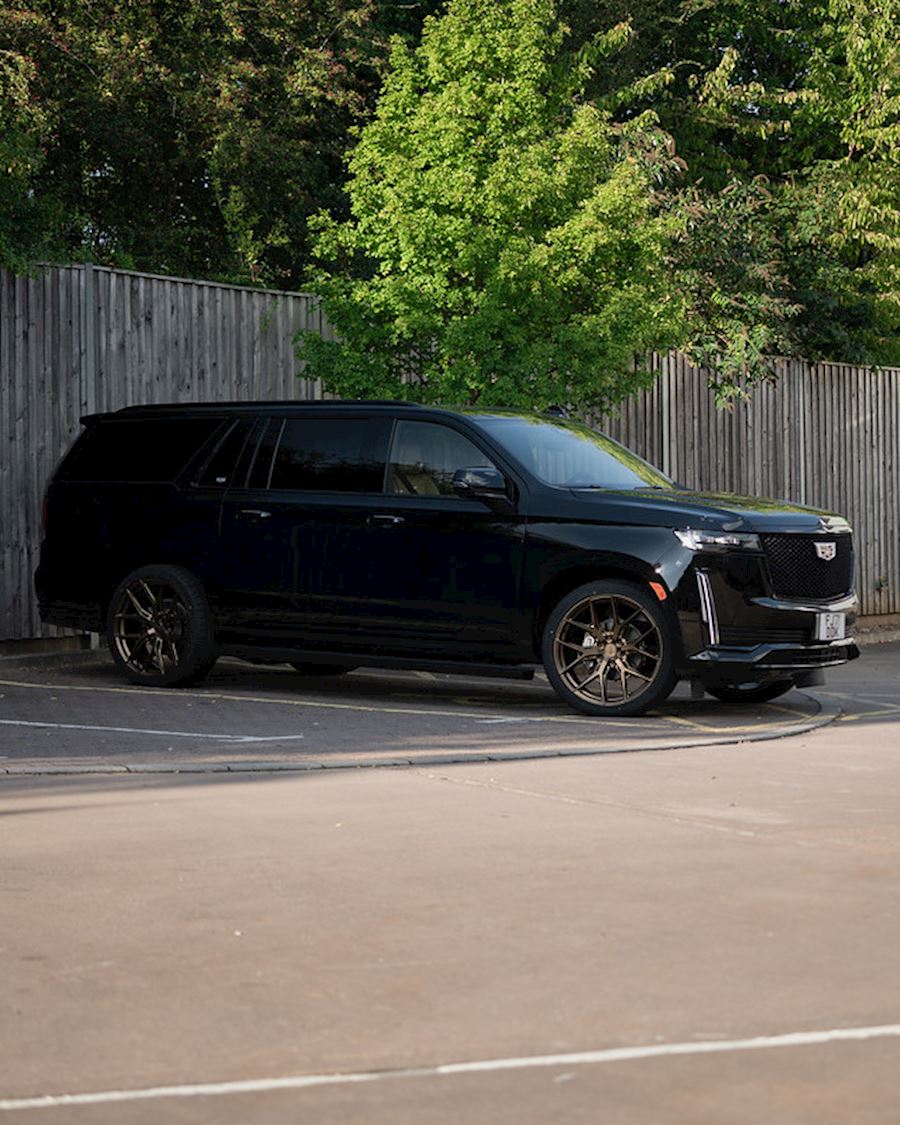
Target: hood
x,y
723,511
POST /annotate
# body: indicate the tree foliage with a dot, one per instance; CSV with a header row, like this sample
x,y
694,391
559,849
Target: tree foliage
x,y
188,137
504,244
785,113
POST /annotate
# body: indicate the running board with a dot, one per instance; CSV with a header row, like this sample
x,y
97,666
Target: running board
x,y
269,655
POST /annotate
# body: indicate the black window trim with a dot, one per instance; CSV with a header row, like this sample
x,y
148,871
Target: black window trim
x,y
200,468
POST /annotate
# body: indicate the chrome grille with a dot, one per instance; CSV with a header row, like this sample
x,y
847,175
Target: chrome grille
x,y
797,571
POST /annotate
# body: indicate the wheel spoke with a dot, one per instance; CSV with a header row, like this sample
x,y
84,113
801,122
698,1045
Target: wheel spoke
x,y
630,618
581,647
604,671
623,679
133,653
151,597
599,674
139,609
629,671
646,633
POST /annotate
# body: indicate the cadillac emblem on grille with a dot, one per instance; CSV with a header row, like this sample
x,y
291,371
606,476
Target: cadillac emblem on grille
x,y
826,551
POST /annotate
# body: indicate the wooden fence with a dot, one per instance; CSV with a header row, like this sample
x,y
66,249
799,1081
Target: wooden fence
x,y
79,339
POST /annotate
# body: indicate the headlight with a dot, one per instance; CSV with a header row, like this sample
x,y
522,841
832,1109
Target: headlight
x,y
718,540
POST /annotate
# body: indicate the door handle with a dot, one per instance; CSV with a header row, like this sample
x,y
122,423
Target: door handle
x,y
254,513
385,521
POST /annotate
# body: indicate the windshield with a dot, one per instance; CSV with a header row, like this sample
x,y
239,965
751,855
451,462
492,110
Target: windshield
x,y
570,455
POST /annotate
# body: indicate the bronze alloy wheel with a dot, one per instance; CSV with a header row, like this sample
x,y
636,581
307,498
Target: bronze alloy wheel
x,y
150,626
159,627
607,650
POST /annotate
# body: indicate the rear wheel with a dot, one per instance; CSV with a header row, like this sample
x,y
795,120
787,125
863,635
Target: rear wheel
x,y
608,649
749,692
159,627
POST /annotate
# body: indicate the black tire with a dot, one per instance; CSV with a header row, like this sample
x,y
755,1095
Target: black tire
x,y
306,668
159,627
608,649
749,692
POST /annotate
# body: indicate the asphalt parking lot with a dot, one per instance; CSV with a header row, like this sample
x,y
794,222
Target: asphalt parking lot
x,y
706,936
75,714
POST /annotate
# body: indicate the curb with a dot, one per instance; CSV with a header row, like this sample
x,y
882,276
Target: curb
x,y
876,636
827,713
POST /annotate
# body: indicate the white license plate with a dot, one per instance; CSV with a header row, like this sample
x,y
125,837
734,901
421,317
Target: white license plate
x,y
831,626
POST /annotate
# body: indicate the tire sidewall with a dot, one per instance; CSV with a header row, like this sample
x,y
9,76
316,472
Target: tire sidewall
x,y
658,613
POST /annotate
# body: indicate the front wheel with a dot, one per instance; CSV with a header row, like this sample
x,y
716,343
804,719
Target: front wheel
x,y
159,627
749,692
608,649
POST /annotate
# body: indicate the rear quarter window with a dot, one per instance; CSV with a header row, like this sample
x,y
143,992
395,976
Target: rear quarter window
x,y
144,449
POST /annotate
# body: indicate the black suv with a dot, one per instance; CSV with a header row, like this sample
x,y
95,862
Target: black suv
x,y
332,535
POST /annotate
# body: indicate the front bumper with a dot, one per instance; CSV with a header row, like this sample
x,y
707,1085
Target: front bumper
x,y
736,631
764,662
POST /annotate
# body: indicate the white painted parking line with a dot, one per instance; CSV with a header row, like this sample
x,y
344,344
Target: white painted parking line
x,y
387,709
488,722
477,1066
242,738
281,701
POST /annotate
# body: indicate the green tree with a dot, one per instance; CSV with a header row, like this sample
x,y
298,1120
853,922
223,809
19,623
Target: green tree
x,y
504,244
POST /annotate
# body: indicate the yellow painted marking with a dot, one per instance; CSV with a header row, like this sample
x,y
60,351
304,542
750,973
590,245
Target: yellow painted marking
x,y
800,717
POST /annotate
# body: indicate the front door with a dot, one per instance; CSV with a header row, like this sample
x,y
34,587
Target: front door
x,y
449,568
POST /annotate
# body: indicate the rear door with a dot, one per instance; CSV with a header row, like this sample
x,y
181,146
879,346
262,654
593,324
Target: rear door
x,y
294,554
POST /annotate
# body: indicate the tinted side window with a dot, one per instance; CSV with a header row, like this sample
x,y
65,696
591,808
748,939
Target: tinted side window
x,y
331,454
145,449
425,455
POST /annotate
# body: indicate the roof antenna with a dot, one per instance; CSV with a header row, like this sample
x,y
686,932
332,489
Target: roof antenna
x,y
557,411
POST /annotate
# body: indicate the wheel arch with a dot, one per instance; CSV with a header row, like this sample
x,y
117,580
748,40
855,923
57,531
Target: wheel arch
x,y
123,565
636,571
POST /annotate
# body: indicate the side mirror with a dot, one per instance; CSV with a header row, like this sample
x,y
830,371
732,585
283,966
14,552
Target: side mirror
x,y
481,484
